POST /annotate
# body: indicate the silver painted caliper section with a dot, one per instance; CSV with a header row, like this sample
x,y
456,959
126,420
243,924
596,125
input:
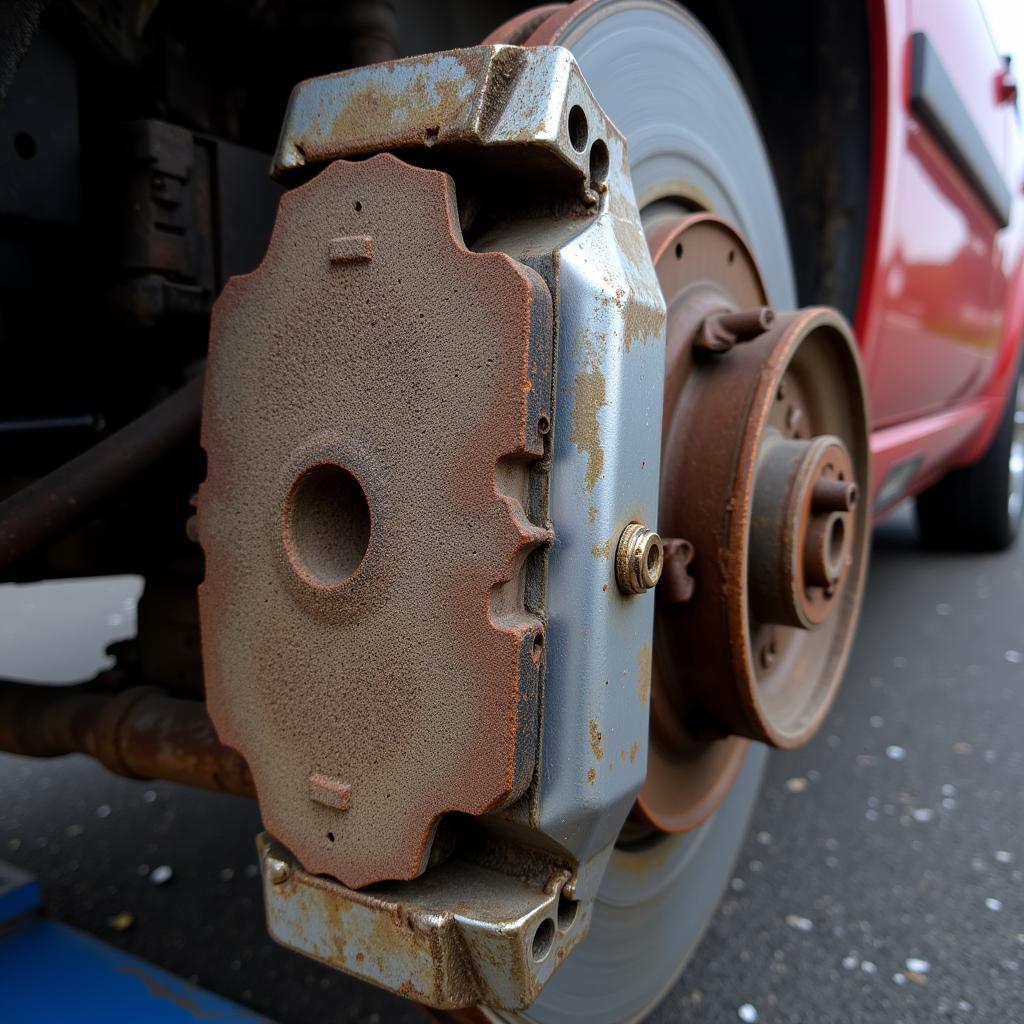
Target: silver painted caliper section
x,y
490,922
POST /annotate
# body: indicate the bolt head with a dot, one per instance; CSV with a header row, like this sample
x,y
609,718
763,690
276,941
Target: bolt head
x,y
277,870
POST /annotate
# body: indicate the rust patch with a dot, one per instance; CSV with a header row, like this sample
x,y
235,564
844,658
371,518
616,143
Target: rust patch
x,y
404,101
643,316
137,732
640,322
632,752
643,674
602,550
409,990
591,776
586,429
595,740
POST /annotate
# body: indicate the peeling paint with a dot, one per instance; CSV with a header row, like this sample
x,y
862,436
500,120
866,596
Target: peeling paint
x,y
643,674
641,323
586,429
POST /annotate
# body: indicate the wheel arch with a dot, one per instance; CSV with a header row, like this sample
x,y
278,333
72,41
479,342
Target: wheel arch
x,y
807,72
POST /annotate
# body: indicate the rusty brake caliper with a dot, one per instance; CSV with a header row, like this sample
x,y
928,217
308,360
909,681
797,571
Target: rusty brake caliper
x,y
454,343
444,420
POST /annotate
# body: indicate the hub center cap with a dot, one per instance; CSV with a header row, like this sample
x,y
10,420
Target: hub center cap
x,y
801,534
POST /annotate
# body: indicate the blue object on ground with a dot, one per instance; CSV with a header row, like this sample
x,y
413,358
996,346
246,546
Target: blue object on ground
x,y
51,972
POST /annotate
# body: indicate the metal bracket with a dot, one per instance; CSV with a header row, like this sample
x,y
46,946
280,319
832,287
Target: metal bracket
x,y
462,935
483,102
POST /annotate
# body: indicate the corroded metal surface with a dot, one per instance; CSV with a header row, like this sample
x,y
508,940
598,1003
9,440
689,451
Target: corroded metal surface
x,y
486,101
140,733
377,395
765,442
799,384
777,541
50,506
520,27
533,121
688,776
466,933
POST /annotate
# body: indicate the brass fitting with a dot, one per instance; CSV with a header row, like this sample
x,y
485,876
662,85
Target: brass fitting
x,y
639,559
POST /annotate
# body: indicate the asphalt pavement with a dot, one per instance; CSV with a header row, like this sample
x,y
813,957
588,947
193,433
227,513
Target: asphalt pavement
x,y
882,880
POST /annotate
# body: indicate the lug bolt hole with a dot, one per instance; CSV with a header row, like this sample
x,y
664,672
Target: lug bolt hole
x,y
543,425
679,250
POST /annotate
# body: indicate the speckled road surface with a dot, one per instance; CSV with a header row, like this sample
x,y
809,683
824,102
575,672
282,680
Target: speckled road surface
x,y
882,880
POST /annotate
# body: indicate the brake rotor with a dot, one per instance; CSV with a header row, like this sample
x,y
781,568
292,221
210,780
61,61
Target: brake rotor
x,y
693,146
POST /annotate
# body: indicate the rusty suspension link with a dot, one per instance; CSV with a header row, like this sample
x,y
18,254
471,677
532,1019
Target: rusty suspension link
x,y
140,733
50,506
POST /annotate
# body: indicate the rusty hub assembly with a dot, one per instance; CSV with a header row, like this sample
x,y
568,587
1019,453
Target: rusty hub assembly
x,y
764,453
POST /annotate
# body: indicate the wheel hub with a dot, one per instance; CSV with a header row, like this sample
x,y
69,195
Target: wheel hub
x,y
764,451
800,551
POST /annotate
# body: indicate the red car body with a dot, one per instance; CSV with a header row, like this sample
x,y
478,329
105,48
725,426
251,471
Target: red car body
x,y
941,309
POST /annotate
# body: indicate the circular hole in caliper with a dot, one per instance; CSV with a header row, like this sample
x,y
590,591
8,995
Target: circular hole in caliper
x,y
327,524
567,911
543,938
598,163
578,128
